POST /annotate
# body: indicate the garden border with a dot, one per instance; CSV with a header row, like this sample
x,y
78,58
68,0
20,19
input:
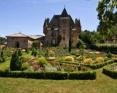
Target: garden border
x,y
90,75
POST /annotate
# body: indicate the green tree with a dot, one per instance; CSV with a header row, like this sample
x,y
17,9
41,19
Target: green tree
x,y
16,63
2,40
107,14
2,58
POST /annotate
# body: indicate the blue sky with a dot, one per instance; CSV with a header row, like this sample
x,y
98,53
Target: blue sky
x,y
27,16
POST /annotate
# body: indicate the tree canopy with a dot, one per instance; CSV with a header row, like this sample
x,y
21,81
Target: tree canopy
x,y
107,14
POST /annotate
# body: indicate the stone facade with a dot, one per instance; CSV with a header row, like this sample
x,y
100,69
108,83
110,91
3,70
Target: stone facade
x,y
61,30
19,40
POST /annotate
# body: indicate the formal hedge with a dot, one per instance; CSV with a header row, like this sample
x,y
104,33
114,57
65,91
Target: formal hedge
x,y
83,76
50,75
100,65
112,74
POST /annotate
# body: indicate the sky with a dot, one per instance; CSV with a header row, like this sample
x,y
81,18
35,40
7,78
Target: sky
x,y
27,16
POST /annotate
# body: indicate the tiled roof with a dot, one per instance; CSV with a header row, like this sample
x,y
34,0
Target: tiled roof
x,y
18,35
23,35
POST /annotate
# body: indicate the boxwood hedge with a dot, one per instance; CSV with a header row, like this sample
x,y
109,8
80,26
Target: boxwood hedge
x,y
112,74
50,75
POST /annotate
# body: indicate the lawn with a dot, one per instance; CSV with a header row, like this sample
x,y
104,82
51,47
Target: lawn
x,y
103,84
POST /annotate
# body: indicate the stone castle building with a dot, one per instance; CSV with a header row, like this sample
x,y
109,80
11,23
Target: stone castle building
x,y
61,30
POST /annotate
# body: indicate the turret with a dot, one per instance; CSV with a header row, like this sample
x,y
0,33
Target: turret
x,y
64,13
78,25
46,23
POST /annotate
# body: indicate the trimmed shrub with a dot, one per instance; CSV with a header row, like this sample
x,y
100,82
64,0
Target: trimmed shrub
x,y
99,60
42,61
69,58
82,75
88,61
50,75
51,53
56,75
16,63
112,74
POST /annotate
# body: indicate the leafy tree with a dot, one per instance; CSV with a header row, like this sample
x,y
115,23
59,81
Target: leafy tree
x,y
35,44
16,63
107,14
2,40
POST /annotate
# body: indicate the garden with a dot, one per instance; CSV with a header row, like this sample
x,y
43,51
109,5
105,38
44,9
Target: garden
x,y
53,63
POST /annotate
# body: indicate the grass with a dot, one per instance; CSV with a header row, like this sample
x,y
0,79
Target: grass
x,y
103,84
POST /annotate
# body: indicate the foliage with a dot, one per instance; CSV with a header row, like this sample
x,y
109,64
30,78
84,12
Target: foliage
x,y
35,44
82,75
69,58
107,14
88,61
99,60
50,75
109,55
34,52
111,70
25,66
16,63
19,52
51,53
2,57
42,61
49,68
2,40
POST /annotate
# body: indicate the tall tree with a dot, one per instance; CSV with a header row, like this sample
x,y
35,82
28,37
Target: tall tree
x,y
107,14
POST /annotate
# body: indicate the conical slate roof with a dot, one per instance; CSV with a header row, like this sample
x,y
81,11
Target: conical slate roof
x,y
64,13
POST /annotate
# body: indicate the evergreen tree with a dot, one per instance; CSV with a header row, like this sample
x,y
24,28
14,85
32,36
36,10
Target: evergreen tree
x,y
16,63
2,58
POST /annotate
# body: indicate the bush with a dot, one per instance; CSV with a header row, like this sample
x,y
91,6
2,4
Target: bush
x,y
29,69
34,52
99,60
50,75
16,63
19,52
50,68
51,53
88,61
110,73
82,75
51,58
69,58
2,58
109,55
25,59
25,66
42,61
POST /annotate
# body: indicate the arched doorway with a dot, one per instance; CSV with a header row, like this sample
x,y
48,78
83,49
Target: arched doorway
x,y
17,44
